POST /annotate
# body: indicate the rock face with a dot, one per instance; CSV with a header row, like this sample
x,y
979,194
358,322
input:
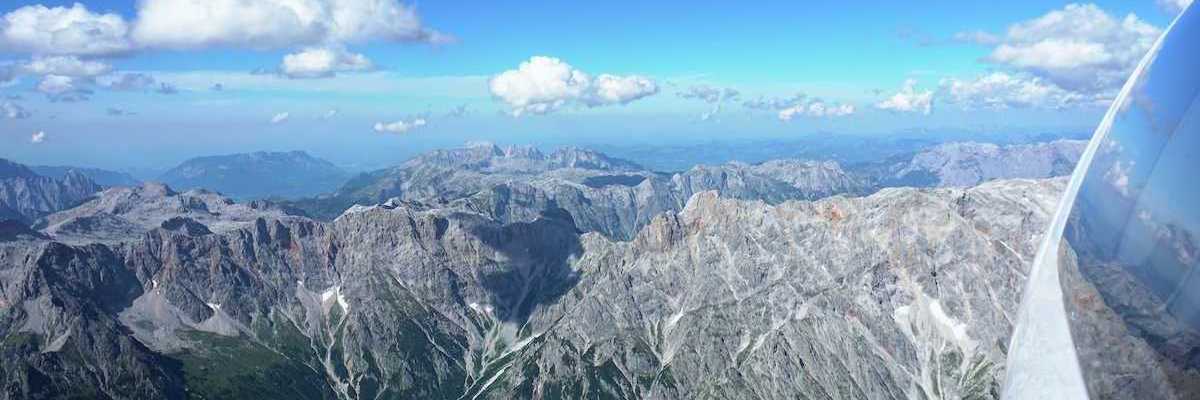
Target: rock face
x,y
26,196
968,163
258,175
902,294
102,177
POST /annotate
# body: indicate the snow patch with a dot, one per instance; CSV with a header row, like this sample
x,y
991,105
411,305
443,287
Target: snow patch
x,y
928,313
336,293
949,327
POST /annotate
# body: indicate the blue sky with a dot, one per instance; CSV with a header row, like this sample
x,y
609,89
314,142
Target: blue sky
x,y
652,72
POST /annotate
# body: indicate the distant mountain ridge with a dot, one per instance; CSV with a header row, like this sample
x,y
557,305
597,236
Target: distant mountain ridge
x,y
257,175
26,195
102,177
618,197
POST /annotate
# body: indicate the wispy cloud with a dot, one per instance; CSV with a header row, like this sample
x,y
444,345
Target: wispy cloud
x,y
401,126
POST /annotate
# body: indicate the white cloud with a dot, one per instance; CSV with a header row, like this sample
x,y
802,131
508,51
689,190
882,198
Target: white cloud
x,y
66,66
999,90
800,105
71,30
12,110
708,94
1174,5
322,28
61,88
57,84
774,103
612,89
37,137
276,23
1079,48
711,95
400,126
816,109
546,84
909,100
323,62
280,118
710,114
333,112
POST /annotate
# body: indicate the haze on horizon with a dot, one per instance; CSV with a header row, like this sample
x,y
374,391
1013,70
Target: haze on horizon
x,y
146,84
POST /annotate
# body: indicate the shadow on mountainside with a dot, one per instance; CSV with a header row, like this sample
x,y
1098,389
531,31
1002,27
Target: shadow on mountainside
x,y
536,266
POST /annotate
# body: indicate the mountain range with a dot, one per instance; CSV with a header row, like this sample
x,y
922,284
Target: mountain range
x,y
493,179
507,272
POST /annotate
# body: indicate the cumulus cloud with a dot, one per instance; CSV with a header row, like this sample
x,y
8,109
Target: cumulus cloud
x,y
545,84
1079,48
321,28
280,118
12,110
71,30
612,89
37,137
909,100
1000,90
61,88
323,62
65,66
276,23
816,109
333,112
401,126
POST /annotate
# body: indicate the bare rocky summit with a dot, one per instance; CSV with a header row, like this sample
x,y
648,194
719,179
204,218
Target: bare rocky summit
x,y
124,213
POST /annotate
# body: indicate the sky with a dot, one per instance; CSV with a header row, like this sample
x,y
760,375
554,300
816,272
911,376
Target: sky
x,y
366,83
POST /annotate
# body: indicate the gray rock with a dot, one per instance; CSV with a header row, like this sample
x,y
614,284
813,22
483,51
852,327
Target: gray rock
x,y
26,196
906,293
